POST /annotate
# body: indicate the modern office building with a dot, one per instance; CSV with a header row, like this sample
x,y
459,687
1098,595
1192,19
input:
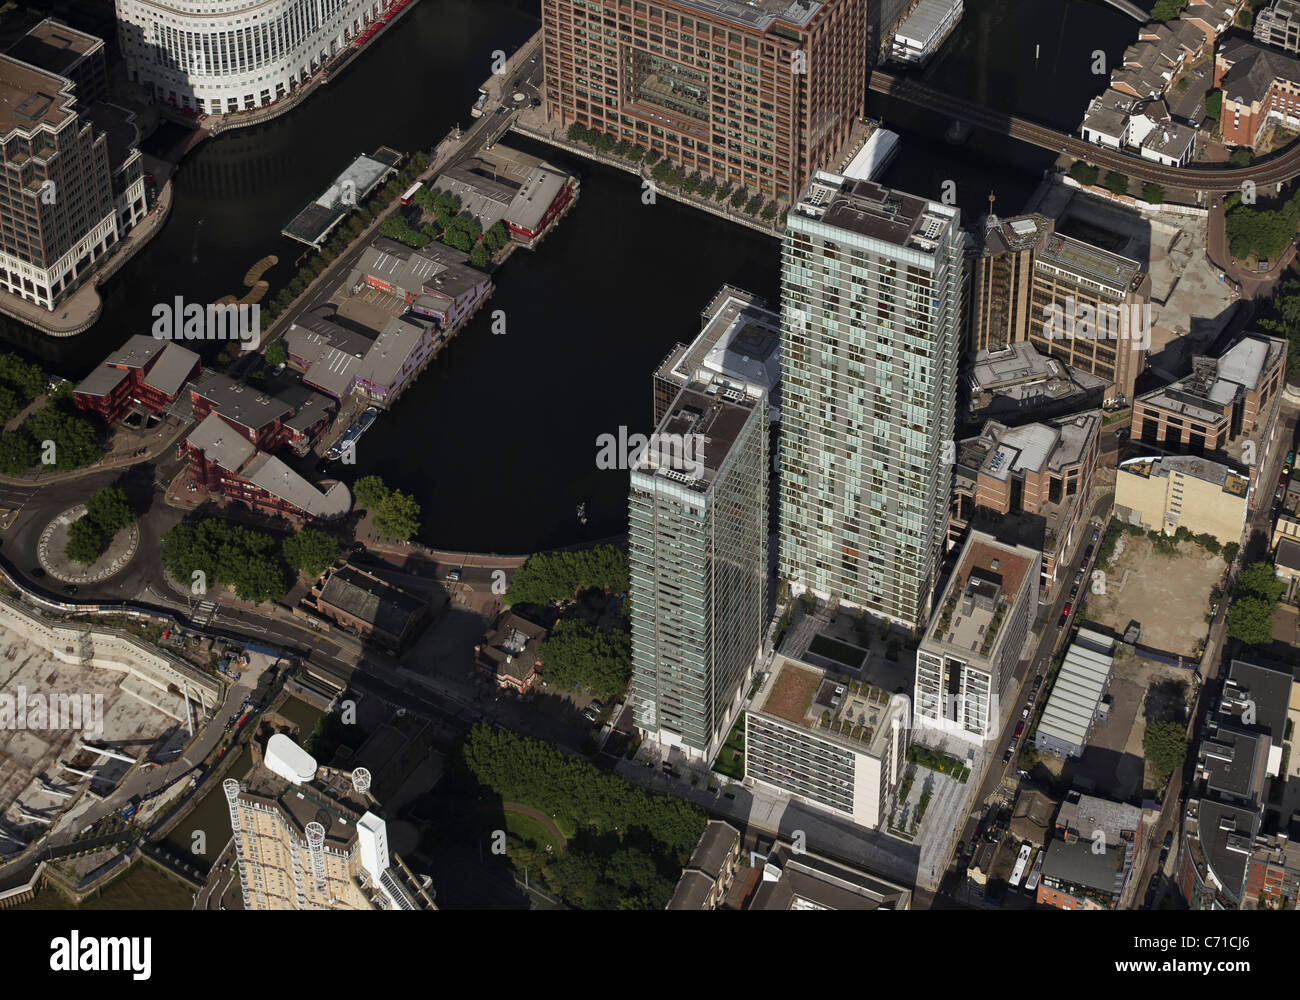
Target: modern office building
x,y
966,660
836,746
1081,305
306,839
1225,410
1017,383
238,56
757,93
56,186
1028,485
697,515
870,333
925,28
1279,26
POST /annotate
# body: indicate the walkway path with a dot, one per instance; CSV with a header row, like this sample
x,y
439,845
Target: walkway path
x,y
533,813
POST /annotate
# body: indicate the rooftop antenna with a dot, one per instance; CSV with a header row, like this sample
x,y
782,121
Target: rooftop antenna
x,y
992,220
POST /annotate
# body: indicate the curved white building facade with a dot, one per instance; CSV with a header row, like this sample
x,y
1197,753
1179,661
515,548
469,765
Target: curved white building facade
x,y
220,56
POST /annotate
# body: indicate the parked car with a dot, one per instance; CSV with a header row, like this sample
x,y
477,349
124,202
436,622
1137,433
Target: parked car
x,y
1061,623
454,575
1006,757
1087,553
1020,728
69,588
1024,712
1095,534
1032,696
1066,609
1038,682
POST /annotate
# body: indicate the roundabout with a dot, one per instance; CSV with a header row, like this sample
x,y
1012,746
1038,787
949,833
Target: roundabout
x,y
54,540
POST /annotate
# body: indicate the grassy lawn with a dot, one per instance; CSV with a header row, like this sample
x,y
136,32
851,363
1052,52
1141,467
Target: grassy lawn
x,y
731,758
840,652
530,831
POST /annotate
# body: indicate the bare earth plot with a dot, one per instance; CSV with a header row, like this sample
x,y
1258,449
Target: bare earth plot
x,y
1169,595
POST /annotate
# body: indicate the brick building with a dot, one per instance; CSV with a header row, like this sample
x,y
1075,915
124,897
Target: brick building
x,y
294,417
508,653
758,93
363,603
1258,84
227,465
144,372
1028,485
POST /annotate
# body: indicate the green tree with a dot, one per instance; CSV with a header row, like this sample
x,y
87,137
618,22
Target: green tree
x,y
1213,104
480,257
110,510
1250,620
739,197
1116,182
310,551
753,205
76,439
276,354
559,576
1165,745
1085,173
594,658
369,492
26,381
1153,194
1259,579
228,555
1167,10
398,516
17,452
1241,157
86,542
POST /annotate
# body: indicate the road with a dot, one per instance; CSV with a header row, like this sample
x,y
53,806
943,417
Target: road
x,y
1277,169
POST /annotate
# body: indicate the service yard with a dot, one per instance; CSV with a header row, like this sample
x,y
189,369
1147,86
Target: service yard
x,y
1167,593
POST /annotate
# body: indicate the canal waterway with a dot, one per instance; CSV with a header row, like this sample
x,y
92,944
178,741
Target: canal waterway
x,y
497,440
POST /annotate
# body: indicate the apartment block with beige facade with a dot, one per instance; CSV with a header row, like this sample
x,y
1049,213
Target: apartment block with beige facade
x,y
1179,491
758,93
306,839
1028,485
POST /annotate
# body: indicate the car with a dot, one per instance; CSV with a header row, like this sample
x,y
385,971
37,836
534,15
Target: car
x,y
69,588
1061,623
1020,728
1169,840
1038,682
1032,696
1087,553
453,575
278,369
596,705
1095,534
1078,577
1074,592
1012,745
1024,712
1066,609
1006,757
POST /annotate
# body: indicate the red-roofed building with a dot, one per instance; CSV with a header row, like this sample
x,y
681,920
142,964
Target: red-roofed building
x,y
144,372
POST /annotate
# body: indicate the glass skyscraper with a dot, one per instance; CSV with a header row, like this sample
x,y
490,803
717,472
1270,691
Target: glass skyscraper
x,y
871,327
697,515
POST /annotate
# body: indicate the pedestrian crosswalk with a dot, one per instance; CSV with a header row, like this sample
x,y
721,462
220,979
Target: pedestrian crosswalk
x,y
204,613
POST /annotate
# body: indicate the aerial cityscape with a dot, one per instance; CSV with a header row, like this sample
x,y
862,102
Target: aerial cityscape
x,y
650,455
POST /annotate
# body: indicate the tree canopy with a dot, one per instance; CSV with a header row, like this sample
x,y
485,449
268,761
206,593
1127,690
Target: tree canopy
x,y
110,510
229,555
595,658
369,492
85,541
1253,229
558,576
397,516
1165,746
1259,579
1250,620
310,551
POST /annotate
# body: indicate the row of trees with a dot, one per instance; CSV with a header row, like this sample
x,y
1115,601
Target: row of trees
x,y
520,769
56,435
590,657
1250,617
1281,317
347,231
1263,232
395,515
108,511
252,562
559,576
